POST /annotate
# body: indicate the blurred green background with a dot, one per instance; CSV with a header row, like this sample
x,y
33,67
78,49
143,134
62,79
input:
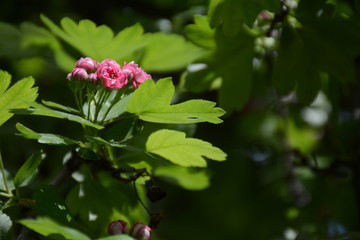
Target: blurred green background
x,y
293,162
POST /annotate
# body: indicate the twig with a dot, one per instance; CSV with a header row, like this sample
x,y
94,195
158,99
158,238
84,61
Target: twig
x,y
278,18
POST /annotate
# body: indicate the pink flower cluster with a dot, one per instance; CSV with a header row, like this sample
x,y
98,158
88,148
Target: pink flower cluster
x,y
109,73
138,230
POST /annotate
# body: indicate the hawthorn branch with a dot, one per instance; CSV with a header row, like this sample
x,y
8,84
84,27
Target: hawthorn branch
x,y
279,18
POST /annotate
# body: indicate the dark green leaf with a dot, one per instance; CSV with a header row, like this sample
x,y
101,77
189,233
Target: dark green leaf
x,y
300,70
87,153
122,131
28,169
200,33
53,230
49,203
188,178
236,71
200,80
232,13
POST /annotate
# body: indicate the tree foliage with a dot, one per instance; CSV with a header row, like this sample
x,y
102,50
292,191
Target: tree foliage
x,y
284,74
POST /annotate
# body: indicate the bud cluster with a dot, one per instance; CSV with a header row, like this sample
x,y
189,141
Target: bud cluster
x,y
138,230
109,73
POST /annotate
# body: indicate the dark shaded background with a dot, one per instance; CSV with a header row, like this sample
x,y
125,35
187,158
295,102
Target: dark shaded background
x,y
251,196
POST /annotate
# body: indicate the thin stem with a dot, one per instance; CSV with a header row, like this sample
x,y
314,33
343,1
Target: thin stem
x,y
139,199
6,195
3,175
114,101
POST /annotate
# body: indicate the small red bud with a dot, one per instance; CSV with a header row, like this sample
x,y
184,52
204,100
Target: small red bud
x,y
117,227
141,231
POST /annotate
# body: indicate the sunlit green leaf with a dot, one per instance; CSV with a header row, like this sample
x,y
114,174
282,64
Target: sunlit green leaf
x,y
45,138
53,230
151,102
59,106
41,110
191,179
175,147
13,98
301,138
28,169
98,42
165,53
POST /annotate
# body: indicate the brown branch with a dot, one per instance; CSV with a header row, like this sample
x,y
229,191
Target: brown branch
x,y
278,18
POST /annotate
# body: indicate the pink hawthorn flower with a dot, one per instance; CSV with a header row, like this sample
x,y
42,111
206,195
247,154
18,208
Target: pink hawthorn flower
x,y
93,77
78,73
140,230
117,227
112,77
110,63
89,64
136,74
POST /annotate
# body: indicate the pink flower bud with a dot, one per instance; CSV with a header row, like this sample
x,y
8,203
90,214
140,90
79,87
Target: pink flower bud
x,y
89,64
78,73
140,230
110,63
136,74
112,77
117,227
93,77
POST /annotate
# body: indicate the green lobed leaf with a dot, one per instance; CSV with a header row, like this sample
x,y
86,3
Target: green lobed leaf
x,y
5,79
188,152
10,42
44,138
168,52
13,97
98,42
53,230
97,202
200,32
236,71
188,178
41,110
28,169
215,12
5,225
300,71
151,102
232,13
49,203
35,36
